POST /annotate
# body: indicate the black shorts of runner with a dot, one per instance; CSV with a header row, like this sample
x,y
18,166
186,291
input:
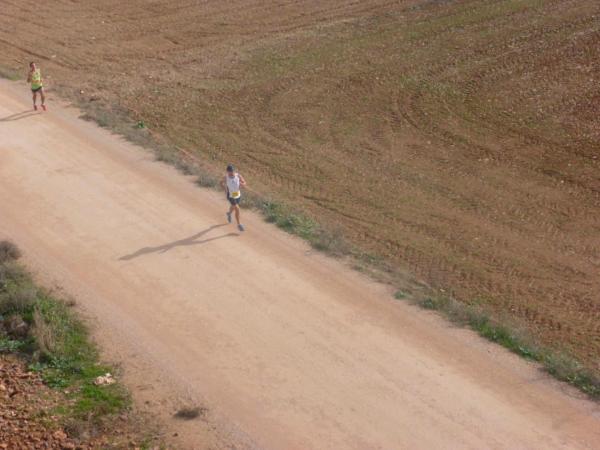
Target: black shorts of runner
x,y
234,201
38,89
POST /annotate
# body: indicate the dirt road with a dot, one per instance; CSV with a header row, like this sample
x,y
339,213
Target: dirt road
x,y
286,348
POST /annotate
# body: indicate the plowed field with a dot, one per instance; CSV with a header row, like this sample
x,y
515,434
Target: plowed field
x,y
459,139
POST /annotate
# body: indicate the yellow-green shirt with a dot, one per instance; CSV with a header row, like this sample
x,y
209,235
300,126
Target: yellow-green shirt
x,y
36,79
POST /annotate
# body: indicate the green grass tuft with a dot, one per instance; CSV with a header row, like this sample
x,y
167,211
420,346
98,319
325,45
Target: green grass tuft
x,y
301,225
429,303
8,345
100,400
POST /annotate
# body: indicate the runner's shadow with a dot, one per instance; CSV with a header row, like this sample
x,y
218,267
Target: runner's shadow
x,y
192,240
18,116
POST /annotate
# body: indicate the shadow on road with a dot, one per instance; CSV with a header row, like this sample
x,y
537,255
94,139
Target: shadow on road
x,y
18,116
192,240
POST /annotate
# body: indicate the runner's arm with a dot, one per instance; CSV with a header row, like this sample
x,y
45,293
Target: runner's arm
x,y
242,180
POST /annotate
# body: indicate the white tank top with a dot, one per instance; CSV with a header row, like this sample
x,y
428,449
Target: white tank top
x,y
233,186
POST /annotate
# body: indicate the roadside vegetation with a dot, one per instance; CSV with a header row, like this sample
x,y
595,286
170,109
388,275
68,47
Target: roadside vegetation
x,y
562,366
9,74
43,334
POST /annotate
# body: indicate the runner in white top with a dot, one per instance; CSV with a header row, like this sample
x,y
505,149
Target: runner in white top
x,y
232,183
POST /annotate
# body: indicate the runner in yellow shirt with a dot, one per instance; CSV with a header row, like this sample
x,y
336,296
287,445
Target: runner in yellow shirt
x,y
37,85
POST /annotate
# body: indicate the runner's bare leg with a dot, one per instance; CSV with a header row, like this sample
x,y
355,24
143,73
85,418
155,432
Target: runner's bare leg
x,y
237,213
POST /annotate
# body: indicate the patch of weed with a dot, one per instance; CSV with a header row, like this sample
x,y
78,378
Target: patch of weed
x,y
8,252
58,343
8,345
429,303
300,224
399,295
9,74
100,400
207,181
567,369
17,293
561,366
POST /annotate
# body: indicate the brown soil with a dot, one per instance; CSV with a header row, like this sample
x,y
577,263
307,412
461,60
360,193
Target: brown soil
x,y
458,139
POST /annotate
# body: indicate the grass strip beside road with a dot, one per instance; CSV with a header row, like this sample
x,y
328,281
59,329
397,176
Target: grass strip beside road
x,y
46,332
561,366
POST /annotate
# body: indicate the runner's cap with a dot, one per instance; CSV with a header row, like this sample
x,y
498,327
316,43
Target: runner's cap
x,y
230,168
